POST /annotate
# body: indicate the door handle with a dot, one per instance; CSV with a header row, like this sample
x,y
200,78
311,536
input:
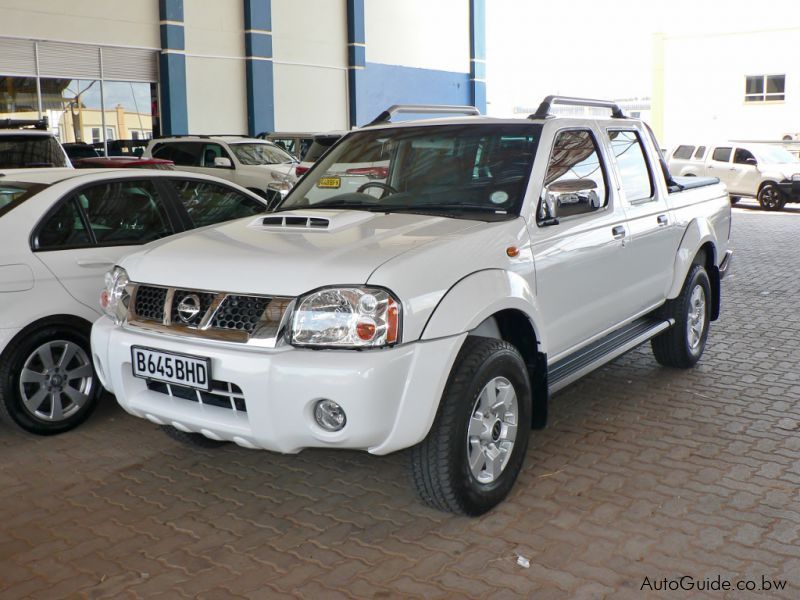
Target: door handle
x,y
662,220
618,232
95,264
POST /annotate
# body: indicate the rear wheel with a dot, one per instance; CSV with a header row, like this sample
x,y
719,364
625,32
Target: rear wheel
x,y
735,199
473,453
770,197
191,439
682,345
47,382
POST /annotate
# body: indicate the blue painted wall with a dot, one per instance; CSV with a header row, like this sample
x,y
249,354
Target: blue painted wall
x,y
381,85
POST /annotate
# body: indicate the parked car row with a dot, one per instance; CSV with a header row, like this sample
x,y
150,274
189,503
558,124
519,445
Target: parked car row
x,y
765,172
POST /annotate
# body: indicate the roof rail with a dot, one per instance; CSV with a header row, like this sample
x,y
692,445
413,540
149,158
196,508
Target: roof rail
x,y
19,123
423,109
202,135
543,111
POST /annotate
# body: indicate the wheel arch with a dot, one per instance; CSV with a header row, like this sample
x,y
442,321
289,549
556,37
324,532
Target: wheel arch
x,y
73,322
498,304
698,246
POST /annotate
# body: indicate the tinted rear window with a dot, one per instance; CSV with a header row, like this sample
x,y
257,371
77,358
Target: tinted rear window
x,y
13,193
683,152
30,151
721,154
319,147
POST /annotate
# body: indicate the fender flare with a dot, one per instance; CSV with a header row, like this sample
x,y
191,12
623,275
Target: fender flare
x,y
697,234
477,297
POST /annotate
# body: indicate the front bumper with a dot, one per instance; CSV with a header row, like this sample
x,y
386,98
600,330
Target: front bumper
x,y
390,396
790,189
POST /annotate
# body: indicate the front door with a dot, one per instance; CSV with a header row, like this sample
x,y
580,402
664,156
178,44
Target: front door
x,y
577,251
744,173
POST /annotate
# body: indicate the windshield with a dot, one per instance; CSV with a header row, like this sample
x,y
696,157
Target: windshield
x,y
13,193
30,151
260,154
465,171
775,154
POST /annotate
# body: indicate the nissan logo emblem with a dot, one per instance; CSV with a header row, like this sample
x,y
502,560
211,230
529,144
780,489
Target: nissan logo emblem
x,y
189,308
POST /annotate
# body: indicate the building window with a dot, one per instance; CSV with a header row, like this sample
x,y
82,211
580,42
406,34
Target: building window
x,y
109,133
764,88
96,139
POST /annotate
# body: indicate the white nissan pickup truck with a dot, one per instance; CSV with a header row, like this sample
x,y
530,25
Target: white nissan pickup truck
x,y
435,307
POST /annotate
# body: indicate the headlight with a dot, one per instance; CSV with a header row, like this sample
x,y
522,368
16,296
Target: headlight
x,y
115,297
346,317
280,182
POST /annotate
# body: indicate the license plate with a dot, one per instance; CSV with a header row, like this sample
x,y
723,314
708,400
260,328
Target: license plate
x,y
168,367
330,182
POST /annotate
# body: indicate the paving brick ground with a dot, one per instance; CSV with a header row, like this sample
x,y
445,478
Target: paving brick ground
x,y
643,472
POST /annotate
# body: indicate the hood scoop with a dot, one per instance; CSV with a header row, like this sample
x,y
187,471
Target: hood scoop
x,y
312,220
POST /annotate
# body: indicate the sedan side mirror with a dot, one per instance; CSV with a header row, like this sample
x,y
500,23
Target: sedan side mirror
x,y
751,161
223,161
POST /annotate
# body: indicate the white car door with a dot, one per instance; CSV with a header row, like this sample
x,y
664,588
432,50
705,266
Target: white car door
x,y
744,173
719,164
577,250
90,230
653,231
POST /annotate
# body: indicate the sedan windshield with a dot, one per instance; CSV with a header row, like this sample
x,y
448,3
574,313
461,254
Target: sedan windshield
x,y
29,151
476,171
260,154
775,155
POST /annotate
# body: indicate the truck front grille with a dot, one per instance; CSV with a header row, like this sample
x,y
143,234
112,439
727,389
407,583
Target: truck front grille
x,y
207,314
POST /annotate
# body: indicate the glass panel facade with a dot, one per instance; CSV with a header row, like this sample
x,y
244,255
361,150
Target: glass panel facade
x,y
18,98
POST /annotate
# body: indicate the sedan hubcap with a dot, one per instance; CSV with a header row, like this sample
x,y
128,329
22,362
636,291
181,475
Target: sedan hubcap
x,y
56,380
492,430
696,323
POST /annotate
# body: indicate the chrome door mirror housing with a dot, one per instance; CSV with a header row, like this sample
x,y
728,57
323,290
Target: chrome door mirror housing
x,y
568,197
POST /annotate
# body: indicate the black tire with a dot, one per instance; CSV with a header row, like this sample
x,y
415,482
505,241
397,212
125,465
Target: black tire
x,y
674,347
734,200
770,197
439,466
13,409
191,439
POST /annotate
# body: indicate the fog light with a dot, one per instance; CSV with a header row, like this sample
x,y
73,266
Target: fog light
x,y
329,415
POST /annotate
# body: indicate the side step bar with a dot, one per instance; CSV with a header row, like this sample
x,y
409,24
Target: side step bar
x,y
576,365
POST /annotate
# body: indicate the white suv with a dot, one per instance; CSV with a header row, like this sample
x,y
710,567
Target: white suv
x,y
27,144
260,166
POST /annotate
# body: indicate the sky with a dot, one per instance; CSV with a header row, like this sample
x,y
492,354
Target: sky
x,y
600,48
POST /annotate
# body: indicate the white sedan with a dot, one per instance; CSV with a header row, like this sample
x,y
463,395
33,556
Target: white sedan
x,y
61,231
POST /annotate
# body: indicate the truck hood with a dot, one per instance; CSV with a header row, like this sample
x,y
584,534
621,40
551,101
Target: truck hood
x,y
291,252
786,170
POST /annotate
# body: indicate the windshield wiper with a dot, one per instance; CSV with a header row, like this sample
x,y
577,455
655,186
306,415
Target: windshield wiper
x,y
443,207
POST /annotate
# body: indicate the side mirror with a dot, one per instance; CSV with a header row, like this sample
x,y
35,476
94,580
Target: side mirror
x,y
223,161
568,197
751,161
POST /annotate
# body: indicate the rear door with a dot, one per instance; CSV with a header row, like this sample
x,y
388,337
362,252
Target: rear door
x,y
653,231
91,229
719,164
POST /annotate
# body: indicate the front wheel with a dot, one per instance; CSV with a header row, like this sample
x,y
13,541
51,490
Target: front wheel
x,y
770,197
473,453
47,382
682,345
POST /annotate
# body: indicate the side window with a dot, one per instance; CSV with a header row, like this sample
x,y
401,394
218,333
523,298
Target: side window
x,y
741,155
634,171
575,182
125,212
63,229
209,203
210,152
183,154
701,152
683,152
721,154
